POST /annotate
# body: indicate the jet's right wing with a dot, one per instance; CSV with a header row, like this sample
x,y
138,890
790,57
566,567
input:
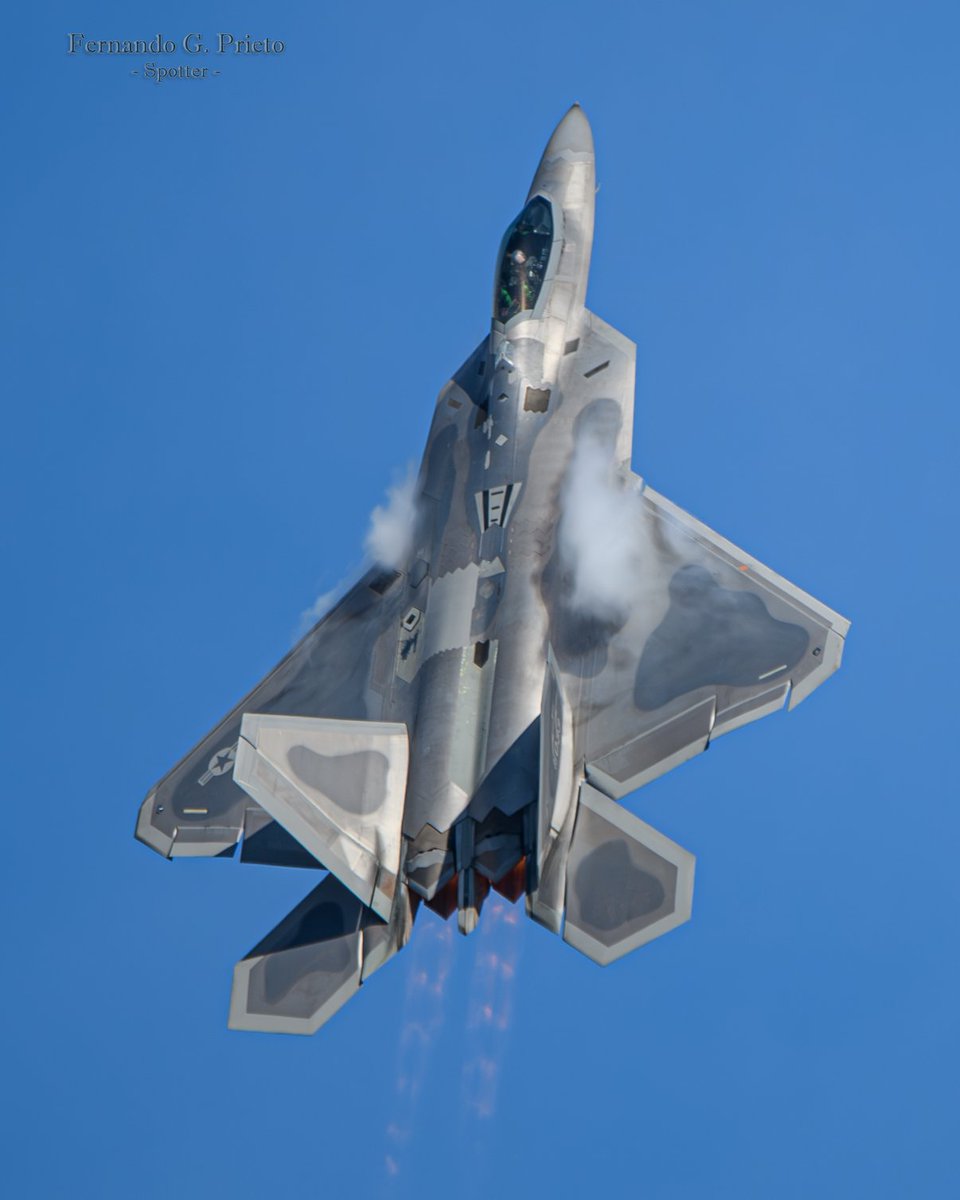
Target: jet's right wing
x,y
662,636
707,639
713,640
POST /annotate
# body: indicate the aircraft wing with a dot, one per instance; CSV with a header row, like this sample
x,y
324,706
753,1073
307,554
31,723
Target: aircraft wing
x,y
198,809
712,641
342,669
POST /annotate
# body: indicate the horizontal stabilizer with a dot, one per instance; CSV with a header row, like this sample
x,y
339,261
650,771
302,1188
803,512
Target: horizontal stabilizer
x,y
338,788
311,964
626,883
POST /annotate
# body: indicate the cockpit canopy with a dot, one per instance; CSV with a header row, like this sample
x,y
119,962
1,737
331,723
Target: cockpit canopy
x,y
523,262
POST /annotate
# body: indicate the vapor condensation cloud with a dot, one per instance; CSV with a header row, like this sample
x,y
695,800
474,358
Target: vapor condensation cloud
x,y
607,538
388,542
600,531
320,607
389,539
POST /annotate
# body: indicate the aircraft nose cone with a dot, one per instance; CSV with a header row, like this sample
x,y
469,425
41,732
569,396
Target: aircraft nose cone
x,y
572,138
572,134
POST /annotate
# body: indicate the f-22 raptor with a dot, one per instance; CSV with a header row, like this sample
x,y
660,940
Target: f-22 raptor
x,y
555,635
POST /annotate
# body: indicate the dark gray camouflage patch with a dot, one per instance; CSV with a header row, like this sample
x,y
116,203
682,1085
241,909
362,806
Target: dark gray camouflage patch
x,y
357,782
713,636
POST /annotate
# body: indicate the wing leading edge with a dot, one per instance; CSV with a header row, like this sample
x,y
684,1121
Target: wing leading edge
x,y
311,743
198,808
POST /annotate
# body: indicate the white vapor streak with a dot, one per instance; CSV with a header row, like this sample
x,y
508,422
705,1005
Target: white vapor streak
x,y
601,532
388,542
321,606
389,539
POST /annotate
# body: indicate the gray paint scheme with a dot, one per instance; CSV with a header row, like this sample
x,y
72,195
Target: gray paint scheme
x,y
626,883
338,788
462,721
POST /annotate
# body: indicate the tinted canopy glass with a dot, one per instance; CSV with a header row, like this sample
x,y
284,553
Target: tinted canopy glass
x,y
523,263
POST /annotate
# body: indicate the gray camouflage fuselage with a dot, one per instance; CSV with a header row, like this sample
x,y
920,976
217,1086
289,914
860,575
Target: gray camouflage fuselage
x,y
490,484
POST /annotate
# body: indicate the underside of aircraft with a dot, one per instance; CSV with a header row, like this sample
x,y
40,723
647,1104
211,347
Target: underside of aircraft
x,y
554,635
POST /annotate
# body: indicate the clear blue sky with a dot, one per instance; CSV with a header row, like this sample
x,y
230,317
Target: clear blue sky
x,y
228,306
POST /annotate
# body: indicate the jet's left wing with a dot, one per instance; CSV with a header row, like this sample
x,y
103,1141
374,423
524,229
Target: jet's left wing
x,y
340,669
711,640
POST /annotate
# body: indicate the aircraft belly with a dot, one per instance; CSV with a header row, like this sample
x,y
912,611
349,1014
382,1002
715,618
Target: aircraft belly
x,y
448,739
544,635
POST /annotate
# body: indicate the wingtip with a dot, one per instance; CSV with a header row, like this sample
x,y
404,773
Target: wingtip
x,y
147,832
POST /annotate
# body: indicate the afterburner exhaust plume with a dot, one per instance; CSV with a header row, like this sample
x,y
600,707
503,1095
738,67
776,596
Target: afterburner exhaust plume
x,y
491,1010
423,1017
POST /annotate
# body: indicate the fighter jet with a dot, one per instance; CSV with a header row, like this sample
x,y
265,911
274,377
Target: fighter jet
x,y
555,635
